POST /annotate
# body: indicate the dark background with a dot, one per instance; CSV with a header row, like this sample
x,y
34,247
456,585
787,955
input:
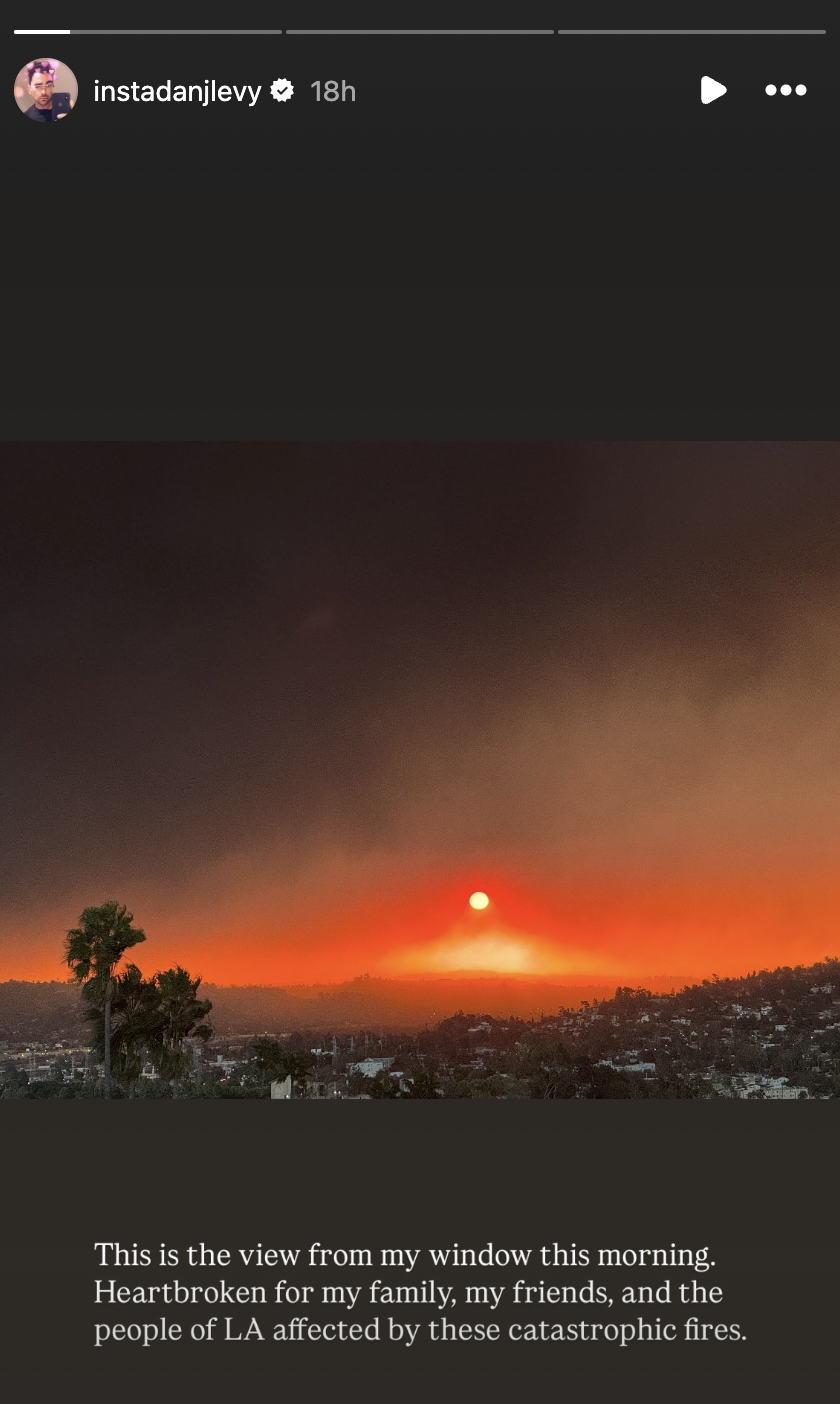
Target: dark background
x,y
525,238
753,1181
454,108
440,363
537,162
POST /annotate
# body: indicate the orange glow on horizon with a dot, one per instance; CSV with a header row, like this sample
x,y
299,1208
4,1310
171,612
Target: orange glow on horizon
x,y
416,928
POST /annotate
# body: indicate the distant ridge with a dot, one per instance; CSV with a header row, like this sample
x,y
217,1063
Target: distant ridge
x,y
46,1011
51,1010
380,1004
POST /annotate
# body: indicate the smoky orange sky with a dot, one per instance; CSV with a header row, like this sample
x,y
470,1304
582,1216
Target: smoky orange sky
x,y
320,695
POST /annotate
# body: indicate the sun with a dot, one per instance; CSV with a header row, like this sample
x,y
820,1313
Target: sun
x,y
479,901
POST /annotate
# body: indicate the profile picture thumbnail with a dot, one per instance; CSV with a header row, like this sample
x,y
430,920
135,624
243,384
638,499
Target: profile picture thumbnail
x,y
46,90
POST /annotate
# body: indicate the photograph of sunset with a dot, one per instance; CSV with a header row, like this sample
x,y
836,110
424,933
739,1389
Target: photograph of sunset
x,y
369,738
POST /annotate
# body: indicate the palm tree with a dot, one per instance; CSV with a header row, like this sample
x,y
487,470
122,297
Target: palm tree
x,y
135,1024
179,1017
94,949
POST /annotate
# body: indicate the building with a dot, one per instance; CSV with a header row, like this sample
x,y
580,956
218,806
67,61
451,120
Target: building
x,y
369,1067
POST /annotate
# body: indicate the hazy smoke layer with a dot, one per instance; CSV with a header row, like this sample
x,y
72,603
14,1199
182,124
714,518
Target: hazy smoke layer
x,y
297,701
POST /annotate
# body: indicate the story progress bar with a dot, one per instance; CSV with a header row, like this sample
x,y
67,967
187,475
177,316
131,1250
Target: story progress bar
x,y
399,33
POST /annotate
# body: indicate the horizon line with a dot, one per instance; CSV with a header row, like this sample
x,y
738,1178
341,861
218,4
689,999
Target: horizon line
x,y
498,977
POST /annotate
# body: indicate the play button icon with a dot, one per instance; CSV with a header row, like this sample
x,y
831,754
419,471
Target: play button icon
x,y
710,91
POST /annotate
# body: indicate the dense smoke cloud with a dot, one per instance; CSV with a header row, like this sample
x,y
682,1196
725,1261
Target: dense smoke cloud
x,y
294,697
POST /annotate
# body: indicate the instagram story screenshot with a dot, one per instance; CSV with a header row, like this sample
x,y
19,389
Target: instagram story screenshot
x,y
419,604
